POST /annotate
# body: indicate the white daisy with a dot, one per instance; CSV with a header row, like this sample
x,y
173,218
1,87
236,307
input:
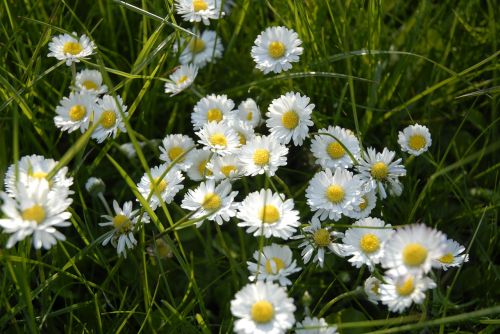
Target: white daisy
x,y
453,256
218,138
181,79
109,117
244,130
211,108
36,211
202,50
365,244
199,10
199,160
71,48
399,292
328,151
164,187
372,289
265,213
315,326
333,195
90,81
274,263
74,112
95,186
124,224
173,147
211,202
262,308
413,249
379,169
226,167
262,155
365,207
249,112
275,49
415,139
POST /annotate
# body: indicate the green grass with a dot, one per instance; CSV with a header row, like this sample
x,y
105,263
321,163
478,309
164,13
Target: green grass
x,y
370,66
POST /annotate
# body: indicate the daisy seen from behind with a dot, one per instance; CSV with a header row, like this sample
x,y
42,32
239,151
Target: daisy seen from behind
x,y
415,139
218,138
199,160
176,146
372,289
328,148
201,50
262,155
453,255
365,207
71,48
163,186
74,112
199,10
90,81
248,111
182,78
400,291
109,116
315,326
244,130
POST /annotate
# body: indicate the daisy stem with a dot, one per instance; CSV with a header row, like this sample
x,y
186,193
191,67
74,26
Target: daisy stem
x,y
73,74
347,294
283,185
354,160
106,206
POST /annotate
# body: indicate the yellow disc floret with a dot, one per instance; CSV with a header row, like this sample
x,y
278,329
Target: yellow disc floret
x,y
290,120
363,204
89,85
414,254
379,170
182,79
261,157
250,116
278,264
242,138
335,150
39,175
214,115
226,170
108,119
121,223
335,193
276,49
406,288
77,112
211,201
369,243
196,45
321,237
202,168
174,152
35,213
72,48
447,258
269,214
158,185
262,311
199,5
416,142
218,139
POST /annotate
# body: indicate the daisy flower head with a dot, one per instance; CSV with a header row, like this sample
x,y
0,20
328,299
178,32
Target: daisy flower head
x,y
181,79
211,202
332,195
90,81
199,10
378,170
71,48
399,292
226,167
329,149
364,244
164,186
289,117
248,111
275,49
267,214
415,139
74,112
175,145
372,289
315,326
211,108
219,138
199,161
201,50
109,115
453,255
35,211
262,155
262,308
365,207
274,263
95,186
413,249
244,130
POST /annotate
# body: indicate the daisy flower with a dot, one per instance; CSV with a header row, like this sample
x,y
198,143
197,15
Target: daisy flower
x,y
199,160
329,152
249,112
379,169
267,214
90,81
211,202
160,249
275,49
320,239
315,326
413,249
244,130
399,292
415,139
95,186
36,210
211,108
372,289
333,195
199,10
453,256
262,308
218,138
124,224
164,186
109,117
262,155
289,117
274,263
181,79
226,167
174,146
365,244
74,112
71,48
202,50
365,207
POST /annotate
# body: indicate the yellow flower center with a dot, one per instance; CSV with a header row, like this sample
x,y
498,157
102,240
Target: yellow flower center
x,y
250,116
89,85
182,79
364,203
335,150
278,264
218,139
369,243
262,311
108,119
290,119
211,201
261,156
414,254
38,175
73,48
321,237
196,45
202,168
447,258
163,249
416,142
406,288
375,288
226,170
77,112
214,115
335,193
199,5
269,214
121,223
379,170
35,213
242,138
158,186
174,152
276,49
